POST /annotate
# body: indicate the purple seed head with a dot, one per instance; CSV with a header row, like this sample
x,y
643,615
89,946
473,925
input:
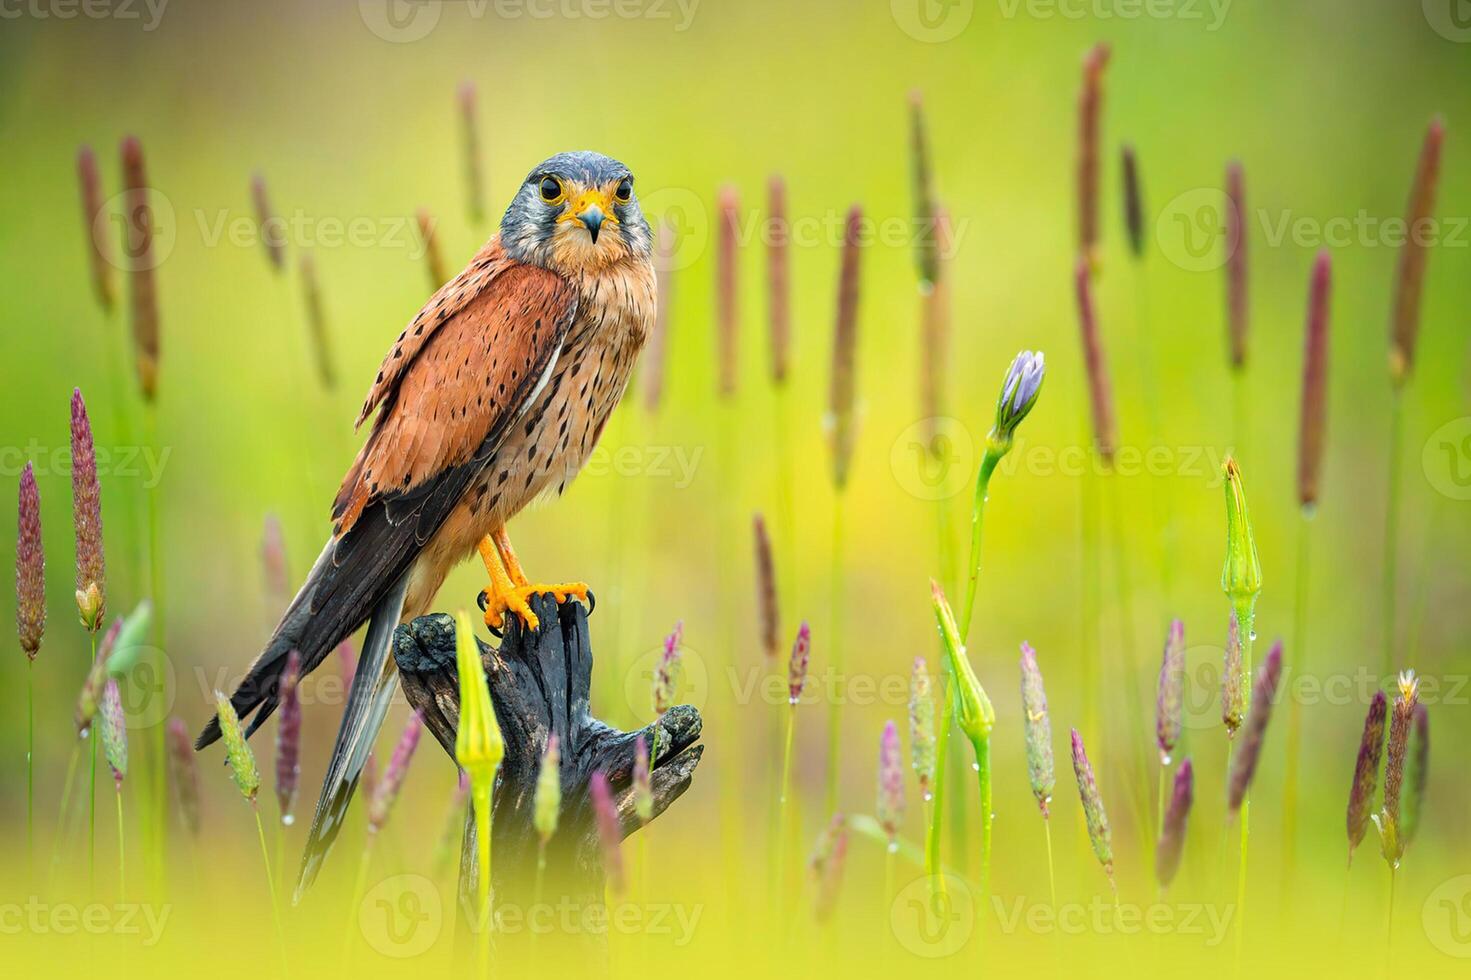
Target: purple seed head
x,y
1133,201
433,258
388,787
87,519
1391,835
1090,110
1417,768
1170,702
890,784
926,253
470,138
139,226
1313,424
1409,284
1097,818
30,568
1172,833
183,774
1248,753
842,391
114,731
669,672
610,832
99,241
778,280
288,737
1236,298
272,230
273,562
1041,769
726,309
828,859
1233,680
797,666
643,781
96,680
1366,771
547,801
1100,389
766,590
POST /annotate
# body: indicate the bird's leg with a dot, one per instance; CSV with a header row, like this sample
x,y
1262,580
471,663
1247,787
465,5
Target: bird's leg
x,y
510,589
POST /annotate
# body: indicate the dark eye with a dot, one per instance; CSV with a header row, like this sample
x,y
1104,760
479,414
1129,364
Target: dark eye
x,y
551,189
624,191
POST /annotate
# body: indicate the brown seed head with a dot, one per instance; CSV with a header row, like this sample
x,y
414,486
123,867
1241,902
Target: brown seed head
x,y
99,241
138,255
272,230
1366,771
1100,390
87,518
1236,298
726,308
842,392
766,598
1090,109
1409,285
778,279
1314,422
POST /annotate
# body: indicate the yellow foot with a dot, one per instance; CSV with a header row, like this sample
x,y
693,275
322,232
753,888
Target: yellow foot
x,y
498,600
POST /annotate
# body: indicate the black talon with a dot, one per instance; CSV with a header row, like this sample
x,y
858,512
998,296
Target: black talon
x,y
482,601
592,602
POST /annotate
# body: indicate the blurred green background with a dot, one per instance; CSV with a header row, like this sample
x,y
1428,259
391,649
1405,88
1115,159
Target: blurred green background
x,y
349,112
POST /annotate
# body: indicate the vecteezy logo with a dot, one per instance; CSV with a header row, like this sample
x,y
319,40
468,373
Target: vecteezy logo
x,y
1451,19
1191,229
148,688
1446,459
146,230
932,21
693,678
1446,917
933,459
401,916
400,21
933,917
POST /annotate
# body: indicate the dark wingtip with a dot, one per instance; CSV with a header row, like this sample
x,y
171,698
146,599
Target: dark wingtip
x,y
209,736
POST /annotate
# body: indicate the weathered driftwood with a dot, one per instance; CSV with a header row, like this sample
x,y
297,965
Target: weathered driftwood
x,y
540,683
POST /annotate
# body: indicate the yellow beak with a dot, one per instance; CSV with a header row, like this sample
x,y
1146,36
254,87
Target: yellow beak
x,y
593,208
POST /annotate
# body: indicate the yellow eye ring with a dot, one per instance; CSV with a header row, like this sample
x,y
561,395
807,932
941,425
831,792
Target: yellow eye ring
x,y
551,190
624,191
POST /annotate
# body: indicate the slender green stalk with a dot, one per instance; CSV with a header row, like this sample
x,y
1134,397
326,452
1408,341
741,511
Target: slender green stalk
x,y
30,759
1051,875
359,888
1133,704
482,884
942,776
1241,880
983,778
157,807
977,523
66,793
92,794
122,878
1391,527
837,656
265,856
786,755
1092,587
1294,708
1389,920
783,815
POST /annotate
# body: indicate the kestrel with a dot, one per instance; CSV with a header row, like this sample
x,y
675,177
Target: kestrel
x,y
493,396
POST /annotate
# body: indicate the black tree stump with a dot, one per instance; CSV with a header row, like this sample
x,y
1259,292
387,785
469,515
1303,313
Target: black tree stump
x,y
540,683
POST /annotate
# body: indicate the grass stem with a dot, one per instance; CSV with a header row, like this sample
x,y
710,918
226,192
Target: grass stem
x,y
122,878
1391,527
1294,708
837,657
265,855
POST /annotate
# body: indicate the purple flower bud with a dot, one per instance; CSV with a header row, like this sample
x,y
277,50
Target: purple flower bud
x,y
669,671
1019,391
273,561
114,731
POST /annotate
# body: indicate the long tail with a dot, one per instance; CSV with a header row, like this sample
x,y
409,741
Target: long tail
x,y
367,704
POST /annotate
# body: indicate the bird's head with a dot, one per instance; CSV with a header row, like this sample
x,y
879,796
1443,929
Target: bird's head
x,y
576,213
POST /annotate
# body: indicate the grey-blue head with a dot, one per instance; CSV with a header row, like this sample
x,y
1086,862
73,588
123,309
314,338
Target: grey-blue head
x,y
576,212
